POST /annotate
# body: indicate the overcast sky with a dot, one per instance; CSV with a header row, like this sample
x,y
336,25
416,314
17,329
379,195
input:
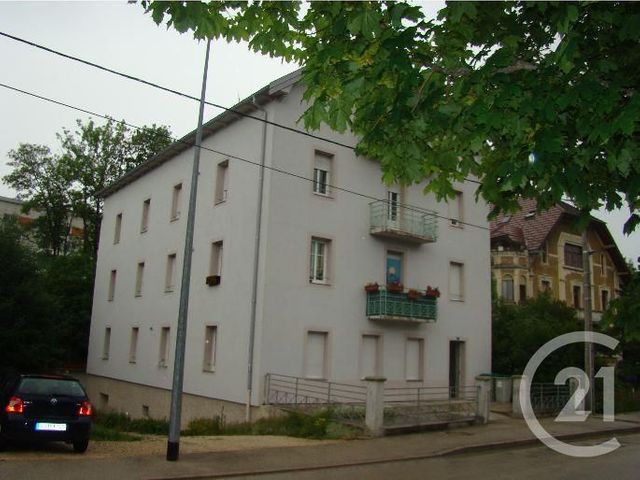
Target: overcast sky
x,y
121,36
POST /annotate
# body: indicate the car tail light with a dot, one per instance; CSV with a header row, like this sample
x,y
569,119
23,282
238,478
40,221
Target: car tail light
x,y
85,409
15,405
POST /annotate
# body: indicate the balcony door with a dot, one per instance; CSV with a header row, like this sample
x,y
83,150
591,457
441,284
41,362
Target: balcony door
x,y
393,212
394,267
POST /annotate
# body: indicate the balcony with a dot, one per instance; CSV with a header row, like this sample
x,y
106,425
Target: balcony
x,y
402,222
400,307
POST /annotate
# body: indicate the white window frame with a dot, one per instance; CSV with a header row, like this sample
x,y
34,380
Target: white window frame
x,y
378,366
325,354
117,233
133,344
222,182
503,282
139,279
111,294
216,259
165,347
144,220
210,348
456,210
323,167
176,201
421,342
319,260
106,343
452,296
170,273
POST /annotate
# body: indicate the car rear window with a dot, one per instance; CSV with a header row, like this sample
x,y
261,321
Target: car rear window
x,y
51,386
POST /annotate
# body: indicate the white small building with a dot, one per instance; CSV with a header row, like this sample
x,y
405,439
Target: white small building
x,y
287,298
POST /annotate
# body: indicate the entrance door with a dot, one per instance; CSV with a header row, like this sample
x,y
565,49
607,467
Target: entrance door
x,y
456,349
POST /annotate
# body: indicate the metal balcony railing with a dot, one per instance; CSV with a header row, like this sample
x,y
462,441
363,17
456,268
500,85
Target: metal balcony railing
x,y
403,222
385,305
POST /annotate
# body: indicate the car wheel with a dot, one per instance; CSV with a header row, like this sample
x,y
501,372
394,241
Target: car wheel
x,y
80,446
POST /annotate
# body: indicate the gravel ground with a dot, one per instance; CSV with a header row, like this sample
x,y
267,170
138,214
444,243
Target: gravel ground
x,y
154,445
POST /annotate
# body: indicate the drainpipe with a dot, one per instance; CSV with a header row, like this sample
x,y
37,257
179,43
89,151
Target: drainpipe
x,y
256,263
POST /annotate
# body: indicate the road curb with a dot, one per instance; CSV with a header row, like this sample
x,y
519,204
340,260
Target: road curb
x,y
443,453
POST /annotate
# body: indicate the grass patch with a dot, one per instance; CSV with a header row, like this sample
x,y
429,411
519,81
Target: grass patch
x,y
104,434
294,424
118,427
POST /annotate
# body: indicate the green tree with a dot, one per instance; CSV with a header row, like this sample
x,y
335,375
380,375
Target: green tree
x,y
622,321
536,99
31,338
67,185
96,156
518,331
43,181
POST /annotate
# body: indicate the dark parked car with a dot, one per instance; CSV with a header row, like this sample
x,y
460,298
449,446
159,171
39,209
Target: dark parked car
x,y
44,408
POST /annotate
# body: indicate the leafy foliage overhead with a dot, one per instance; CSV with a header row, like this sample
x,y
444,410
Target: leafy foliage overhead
x,y
536,99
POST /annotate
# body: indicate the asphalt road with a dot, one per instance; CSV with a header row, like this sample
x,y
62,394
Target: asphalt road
x,y
536,462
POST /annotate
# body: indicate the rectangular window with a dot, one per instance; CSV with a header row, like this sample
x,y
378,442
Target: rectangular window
x,y
176,201
106,344
577,296
523,292
210,340
394,267
144,222
456,281
322,164
544,253
371,361
112,286
507,289
573,255
118,229
603,265
133,344
222,180
393,202
414,359
456,210
316,355
139,279
170,276
163,354
319,260
604,299
215,267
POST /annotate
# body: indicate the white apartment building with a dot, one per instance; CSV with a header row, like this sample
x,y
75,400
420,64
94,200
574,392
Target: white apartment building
x,y
317,247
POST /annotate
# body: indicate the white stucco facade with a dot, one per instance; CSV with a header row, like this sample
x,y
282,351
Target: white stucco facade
x,y
293,314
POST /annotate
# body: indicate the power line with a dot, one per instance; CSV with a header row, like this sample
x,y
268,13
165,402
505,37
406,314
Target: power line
x,y
182,94
228,155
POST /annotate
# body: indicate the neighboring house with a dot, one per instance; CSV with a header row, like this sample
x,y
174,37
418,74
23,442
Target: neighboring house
x,y
542,252
14,207
318,246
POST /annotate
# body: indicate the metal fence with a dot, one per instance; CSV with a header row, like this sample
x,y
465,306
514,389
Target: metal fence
x,y
386,216
425,405
549,398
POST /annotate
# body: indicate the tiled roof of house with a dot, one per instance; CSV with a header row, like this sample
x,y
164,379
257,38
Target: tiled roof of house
x,y
527,227
530,228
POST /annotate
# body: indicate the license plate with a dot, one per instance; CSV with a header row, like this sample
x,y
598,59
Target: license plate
x,y
51,427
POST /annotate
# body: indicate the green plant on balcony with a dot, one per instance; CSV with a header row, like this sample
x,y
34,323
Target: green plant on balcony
x,y
371,287
395,287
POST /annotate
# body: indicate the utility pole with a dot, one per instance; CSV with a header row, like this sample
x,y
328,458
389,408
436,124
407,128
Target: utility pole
x,y
588,324
173,443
